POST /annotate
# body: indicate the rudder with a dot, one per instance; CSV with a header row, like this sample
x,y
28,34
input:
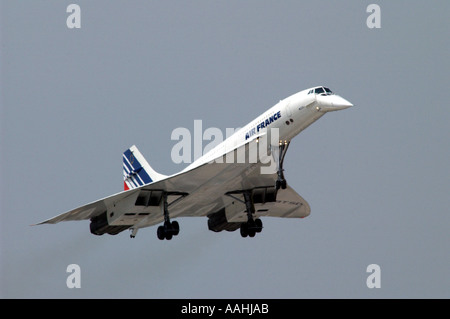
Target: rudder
x,y
136,170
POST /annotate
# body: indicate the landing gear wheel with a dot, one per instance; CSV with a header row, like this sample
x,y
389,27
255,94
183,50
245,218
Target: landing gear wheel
x,y
175,228
161,233
244,230
280,153
280,183
258,225
168,230
251,228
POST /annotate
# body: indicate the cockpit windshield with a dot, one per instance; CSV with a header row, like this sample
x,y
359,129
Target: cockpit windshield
x,y
321,91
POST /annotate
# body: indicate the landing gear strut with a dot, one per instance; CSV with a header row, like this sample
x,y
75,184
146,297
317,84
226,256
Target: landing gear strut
x,y
168,229
279,153
252,226
133,232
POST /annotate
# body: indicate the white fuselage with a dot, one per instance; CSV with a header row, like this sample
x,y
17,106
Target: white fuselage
x,y
290,116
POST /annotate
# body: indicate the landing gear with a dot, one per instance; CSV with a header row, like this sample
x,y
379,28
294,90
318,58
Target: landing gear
x,y
133,232
259,195
251,227
279,153
168,229
281,182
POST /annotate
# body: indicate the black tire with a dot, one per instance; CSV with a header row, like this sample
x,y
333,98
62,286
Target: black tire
x,y
277,185
175,228
244,230
258,225
283,184
161,233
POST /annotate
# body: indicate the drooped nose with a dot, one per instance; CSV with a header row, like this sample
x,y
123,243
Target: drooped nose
x,y
339,103
329,103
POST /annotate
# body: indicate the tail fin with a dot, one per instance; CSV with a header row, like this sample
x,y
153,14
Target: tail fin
x,y
136,170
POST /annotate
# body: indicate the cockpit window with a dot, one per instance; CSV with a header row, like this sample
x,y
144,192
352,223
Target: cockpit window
x,y
319,90
323,91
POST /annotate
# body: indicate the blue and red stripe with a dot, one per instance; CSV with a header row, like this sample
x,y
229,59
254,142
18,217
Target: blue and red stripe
x,y
133,171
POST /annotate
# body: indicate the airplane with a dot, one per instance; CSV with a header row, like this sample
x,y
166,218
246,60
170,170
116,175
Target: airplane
x,y
227,184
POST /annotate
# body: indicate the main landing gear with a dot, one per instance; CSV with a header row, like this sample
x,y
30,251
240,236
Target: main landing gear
x,y
168,229
252,226
279,153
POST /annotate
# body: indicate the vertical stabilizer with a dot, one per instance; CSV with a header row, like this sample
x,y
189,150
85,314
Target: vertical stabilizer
x,y
136,170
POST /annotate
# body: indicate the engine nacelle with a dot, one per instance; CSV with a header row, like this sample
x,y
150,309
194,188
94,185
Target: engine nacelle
x,y
218,222
236,211
99,226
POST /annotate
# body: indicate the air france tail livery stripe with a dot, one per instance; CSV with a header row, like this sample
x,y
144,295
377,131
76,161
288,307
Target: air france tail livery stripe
x,y
134,174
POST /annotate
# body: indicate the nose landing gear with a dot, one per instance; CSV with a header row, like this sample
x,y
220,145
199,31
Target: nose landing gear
x,y
279,153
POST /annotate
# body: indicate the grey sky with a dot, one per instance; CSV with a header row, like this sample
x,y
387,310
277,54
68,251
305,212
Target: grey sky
x,y
376,175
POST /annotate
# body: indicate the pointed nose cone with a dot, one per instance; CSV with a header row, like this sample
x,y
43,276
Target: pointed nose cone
x,y
330,103
339,103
